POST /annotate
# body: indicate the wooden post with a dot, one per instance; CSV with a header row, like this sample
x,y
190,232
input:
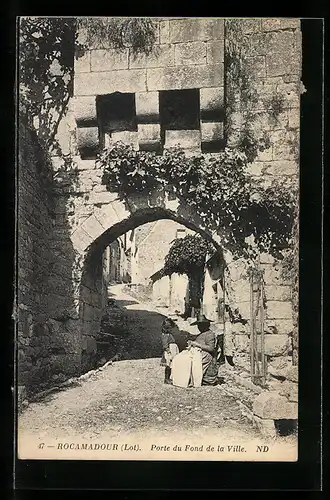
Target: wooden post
x,y
252,336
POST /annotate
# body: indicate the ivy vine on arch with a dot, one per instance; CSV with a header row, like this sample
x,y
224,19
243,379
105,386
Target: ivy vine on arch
x,y
251,215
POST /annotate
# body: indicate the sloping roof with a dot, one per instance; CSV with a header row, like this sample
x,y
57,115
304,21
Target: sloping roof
x,y
143,231
156,275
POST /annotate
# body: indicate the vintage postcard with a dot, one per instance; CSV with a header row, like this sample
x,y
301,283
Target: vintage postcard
x,y
158,236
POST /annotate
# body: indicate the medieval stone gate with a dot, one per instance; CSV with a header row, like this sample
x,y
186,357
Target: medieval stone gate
x,y
122,97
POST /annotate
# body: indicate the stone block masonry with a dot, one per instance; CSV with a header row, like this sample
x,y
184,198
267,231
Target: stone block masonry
x,y
272,64
188,54
60,297
44,295
275,407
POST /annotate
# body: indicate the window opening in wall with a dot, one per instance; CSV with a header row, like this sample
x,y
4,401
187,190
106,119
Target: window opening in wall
x,y
116,113
179,110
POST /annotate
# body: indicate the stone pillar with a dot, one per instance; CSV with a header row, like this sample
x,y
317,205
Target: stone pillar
x,y
147,111
88,142
84,108
212,116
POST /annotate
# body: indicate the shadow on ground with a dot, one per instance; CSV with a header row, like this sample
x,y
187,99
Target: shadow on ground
x,y
131,332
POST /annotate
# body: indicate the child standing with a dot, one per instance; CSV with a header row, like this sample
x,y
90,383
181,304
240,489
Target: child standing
x,y
170,347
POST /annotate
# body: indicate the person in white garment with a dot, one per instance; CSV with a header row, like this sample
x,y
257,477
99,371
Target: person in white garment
x,y
196,365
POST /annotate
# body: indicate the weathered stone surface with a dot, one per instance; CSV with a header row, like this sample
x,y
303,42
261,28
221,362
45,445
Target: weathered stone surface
x,y
290,23
83,63
92,227
280,292
81,240
190,53
101,198
161,57
211,102
265,155
293,395
215,52
164,31
244,309
291,93
184,138
276,344
88,137
120,209
280,43
271,24
85,164
126,137
265,426
279,309
273,406
107,217
256,45
149,136
211,131
294,118
289,390
256,66
187,30
189,77
251,25
237,269
292,374
257,168
147,107
281,168
266,258
273,275
288,149
278,24
242,342
106,82
109,59
241,289
282,363
91,345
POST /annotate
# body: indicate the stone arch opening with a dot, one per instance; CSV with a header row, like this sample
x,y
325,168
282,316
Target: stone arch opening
x,y
93,294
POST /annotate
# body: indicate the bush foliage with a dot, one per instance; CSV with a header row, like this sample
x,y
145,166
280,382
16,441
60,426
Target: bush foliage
x,y
250,216
187,256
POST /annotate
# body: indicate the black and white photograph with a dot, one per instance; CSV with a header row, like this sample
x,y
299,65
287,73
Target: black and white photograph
x,y
157,299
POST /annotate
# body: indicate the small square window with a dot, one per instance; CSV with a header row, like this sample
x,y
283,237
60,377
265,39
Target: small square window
x,y
179,109
116,112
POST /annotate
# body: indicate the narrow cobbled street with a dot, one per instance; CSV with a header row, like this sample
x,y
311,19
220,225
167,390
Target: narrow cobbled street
x,y
129,398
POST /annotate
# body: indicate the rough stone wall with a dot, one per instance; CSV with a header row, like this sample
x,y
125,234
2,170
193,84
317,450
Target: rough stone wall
x,y
271,71
161,291
188,54
93,299
153,249
35,226
44,284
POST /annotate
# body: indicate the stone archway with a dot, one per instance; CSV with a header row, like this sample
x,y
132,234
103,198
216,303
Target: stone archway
x,y
104,226
108,221
110,217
